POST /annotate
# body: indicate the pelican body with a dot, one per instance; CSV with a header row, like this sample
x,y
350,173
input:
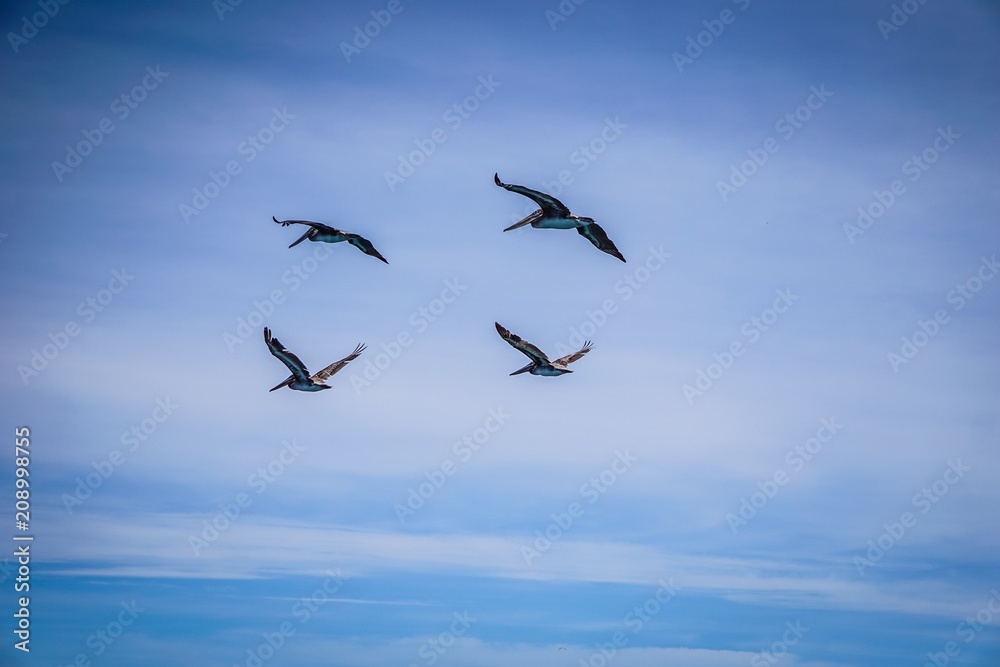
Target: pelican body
x,y
553,214
300,380
540,364
324,233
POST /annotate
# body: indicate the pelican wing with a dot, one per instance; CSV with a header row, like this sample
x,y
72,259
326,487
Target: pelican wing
x,y
315,225
365,246
551,207
332,369
594,233
523,346
294,364
570,358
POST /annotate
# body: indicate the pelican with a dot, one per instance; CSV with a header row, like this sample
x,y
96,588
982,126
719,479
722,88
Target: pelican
x,y
540,364
320,232
553,214
300,378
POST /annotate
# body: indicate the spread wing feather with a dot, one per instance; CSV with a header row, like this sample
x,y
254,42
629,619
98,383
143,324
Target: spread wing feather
x,y
365,246
523,346
550,206
596,235
332,369
294,364
570,358
315,225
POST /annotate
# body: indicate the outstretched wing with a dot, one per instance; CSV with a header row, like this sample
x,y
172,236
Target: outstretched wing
x,y
365,246
551,207
315,225
294,364
332,369
570,358
523,346
594,233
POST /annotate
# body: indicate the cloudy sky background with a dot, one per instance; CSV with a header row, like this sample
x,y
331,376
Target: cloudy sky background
x,y
641,140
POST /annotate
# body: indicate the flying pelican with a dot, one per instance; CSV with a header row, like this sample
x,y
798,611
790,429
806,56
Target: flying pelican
x,y
540,364
553,214
300,378
320,232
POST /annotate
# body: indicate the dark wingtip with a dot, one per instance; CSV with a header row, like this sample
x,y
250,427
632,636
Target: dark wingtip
x,y
275,219
496,179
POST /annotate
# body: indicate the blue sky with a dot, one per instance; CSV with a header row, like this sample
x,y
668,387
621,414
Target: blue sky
x,y
781,451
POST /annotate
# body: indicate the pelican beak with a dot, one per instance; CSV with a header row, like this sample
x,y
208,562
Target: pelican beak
x,y
522,370
285,383
522,223
302,238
